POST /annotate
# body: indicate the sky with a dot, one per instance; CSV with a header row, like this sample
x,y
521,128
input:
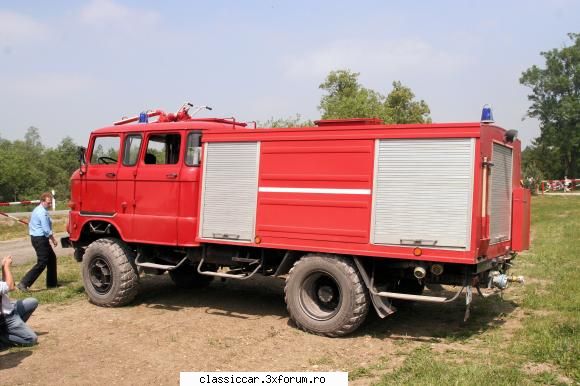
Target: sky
x,y
68,67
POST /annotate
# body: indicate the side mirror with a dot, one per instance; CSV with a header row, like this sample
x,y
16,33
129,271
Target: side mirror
x,y
82,160
81,154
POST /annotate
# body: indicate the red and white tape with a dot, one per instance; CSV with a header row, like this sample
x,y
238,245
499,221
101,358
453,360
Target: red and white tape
x,y
14,203
15,218
25,202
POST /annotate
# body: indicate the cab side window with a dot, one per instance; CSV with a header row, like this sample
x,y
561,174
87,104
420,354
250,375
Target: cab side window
x,y
105,150
193,151
162,149
131,149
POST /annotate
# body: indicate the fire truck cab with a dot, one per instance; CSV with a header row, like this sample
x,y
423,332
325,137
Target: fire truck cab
x,y
351,213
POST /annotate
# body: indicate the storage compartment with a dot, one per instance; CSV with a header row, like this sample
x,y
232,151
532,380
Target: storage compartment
x,y
423,192
500,208
230,188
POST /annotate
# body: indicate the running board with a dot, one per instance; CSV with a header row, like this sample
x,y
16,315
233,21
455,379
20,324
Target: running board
x,y
228,275
158,266
420,298
397,295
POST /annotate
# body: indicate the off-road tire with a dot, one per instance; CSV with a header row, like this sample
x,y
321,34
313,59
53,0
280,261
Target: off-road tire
x,y
109,273
187,277
306,306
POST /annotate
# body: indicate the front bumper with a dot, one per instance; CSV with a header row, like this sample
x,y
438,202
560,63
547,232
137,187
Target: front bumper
x,y
65,242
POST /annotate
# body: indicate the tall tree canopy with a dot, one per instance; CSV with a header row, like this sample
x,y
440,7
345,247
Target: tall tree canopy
x,y
346,98
555,102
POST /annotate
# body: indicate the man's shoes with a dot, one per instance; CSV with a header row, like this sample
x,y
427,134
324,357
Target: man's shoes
x,y
22,287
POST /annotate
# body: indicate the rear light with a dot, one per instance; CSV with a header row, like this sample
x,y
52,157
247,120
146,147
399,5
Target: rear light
x,y
71,204
417,251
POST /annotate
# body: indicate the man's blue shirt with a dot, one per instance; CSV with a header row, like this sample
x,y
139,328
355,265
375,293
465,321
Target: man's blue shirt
x,y
40,223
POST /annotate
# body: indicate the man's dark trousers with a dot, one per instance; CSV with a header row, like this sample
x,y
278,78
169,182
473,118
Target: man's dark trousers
x,y
46,259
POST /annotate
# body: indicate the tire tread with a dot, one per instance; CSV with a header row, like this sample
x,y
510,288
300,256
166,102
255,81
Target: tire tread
x,y
361,305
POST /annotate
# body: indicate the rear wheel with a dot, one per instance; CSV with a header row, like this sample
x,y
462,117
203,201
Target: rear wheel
x,y
325,295
109,274
187,276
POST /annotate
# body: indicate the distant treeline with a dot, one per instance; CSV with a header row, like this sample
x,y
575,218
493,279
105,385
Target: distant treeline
x,y
28,168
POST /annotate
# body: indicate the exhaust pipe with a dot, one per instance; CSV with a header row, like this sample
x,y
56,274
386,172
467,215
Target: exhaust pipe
x,y
420,272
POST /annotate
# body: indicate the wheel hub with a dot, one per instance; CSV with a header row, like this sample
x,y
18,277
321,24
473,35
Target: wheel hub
x,y
325,294
100,275
320,296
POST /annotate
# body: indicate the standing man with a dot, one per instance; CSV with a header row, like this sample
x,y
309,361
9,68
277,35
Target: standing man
x,y
40,230
13,316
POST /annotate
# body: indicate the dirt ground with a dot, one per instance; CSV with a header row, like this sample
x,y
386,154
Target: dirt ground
x,y
229,326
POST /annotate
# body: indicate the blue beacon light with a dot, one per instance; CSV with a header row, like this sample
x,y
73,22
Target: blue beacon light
x,y
143,118
487,114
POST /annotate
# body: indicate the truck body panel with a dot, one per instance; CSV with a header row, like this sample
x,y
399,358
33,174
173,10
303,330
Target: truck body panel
x,y
349,212
369,190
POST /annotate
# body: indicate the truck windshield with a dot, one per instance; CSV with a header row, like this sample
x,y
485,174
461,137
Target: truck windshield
x,y
105,150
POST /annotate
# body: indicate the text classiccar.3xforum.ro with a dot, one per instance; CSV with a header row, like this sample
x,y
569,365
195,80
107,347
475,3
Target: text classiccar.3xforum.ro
x,y
266,379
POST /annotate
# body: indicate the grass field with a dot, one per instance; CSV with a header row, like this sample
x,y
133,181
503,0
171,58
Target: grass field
x,y
11,229
544,348
530,337
68,277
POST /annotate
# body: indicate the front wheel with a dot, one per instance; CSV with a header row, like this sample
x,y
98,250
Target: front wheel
x,y
109,274
325,295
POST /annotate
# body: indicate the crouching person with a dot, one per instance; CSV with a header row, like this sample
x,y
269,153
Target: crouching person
x,y
13,315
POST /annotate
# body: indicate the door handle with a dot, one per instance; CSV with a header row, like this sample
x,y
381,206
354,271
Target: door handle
x,y
171,175
110,175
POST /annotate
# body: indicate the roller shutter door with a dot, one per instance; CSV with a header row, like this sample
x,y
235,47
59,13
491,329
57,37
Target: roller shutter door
x,y
423,192
230,185
500,205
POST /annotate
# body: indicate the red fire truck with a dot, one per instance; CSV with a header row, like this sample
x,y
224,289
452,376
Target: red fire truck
x,y
351,212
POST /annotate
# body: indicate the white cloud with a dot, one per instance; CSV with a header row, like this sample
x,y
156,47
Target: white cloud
x,y
108,13
373,57
16,28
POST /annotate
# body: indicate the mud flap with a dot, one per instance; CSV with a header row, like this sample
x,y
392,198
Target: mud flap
x,y
468,299
382,305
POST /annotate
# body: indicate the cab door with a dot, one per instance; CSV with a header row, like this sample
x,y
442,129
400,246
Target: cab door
x,y
157,190
189,186
100,182
126,183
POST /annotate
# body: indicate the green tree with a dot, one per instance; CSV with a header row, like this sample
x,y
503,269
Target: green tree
x,y
21,176
27,168
295,121
400,106
555,102
32,138
59,164
346,98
